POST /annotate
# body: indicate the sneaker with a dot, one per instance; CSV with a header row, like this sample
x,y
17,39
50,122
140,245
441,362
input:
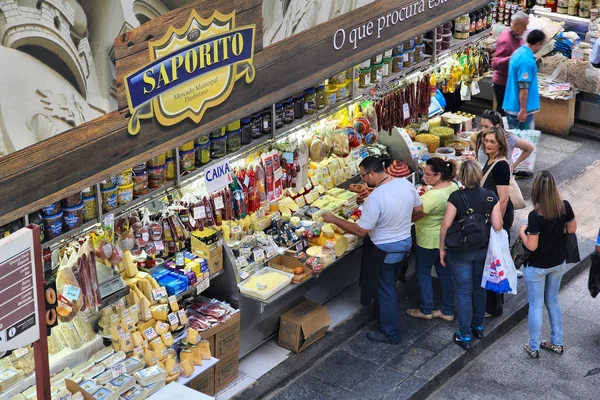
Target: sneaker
x,y
463,341
522,174
377,336
519,274
416,313
532,353
478,332
439,314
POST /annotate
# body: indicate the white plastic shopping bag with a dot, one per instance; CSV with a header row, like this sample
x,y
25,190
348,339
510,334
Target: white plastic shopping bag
x,y
499,273
532,136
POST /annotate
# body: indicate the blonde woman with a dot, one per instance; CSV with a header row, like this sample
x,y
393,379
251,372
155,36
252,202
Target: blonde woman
x,y
544,236
466,265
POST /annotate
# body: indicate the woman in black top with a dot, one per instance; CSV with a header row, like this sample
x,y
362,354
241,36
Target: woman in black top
x,y
497,175
544,236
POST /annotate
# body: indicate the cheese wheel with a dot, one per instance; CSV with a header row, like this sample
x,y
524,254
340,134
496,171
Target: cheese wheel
x,y
341,245
314,251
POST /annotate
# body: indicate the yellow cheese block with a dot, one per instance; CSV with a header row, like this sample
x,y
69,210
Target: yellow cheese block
x,y
167,339
137,339
160,312
150,358
341,245
173,378
163,354
327,231
187,368
186,354
138,352
314,251
196,355
126,343
157,345
161,328
149,334
204,349
182,317
173,303
142,326
192,336
171,367
145,313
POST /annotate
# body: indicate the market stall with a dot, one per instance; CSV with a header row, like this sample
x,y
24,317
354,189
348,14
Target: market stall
x,y
177,255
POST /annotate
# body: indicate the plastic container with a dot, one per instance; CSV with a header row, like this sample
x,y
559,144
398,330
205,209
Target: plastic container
x,y
140,180
298,107
150,375
234,126
331,94
160,159
234,141
364,78
157,176
72,217
203,138
365,64
397,64
266,122
109,183
202,154
121,384
187,160
218,148
89,208
377,59
267,292
171,169
310,101
278,116
288,113
217,134
376,72
53,225
109,199
342,91
387,67
320,92
72,200
246,134
52,209
125,177
256,126
124,194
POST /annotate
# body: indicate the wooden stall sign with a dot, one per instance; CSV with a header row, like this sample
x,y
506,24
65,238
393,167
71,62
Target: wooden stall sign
x,y
55,168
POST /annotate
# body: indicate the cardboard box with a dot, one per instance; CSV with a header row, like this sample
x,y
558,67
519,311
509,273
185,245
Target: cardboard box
x,y
226,371
213,257
204,383
288,264
224,338
467,123
303,325
556,116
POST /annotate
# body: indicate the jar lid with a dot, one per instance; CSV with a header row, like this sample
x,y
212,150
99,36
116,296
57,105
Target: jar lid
x,y
246,120
112,189
58,215
74,208
234,133
89,198
220,139
321,87
290,100
278,105
309,91
365,70
203,145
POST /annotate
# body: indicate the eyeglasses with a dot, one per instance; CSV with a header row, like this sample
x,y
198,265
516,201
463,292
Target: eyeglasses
x,y
431,174
366,173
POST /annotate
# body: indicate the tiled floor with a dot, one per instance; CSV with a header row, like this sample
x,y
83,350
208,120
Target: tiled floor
x,y
270,354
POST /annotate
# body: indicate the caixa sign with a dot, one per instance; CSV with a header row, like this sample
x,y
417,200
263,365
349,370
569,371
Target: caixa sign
x,y
217,176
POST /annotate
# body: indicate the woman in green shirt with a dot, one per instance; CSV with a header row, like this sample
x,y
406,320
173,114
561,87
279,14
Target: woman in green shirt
x,y
439,174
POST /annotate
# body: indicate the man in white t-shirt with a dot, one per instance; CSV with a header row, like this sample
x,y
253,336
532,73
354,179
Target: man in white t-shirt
x,y
386,219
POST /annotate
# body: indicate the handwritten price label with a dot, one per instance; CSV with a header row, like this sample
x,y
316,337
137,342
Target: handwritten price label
x,y
202,286
406,111
199,212
219,203
159,293
118,370
558,87
173,320
72,292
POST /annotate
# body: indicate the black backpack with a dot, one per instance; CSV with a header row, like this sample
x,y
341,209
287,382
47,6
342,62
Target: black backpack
x,y
470,231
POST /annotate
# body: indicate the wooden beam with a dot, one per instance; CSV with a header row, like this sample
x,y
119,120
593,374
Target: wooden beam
x,y
55,168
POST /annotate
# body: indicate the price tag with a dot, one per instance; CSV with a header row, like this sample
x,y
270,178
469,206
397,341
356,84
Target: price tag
x,y
125,314
270,252
465,92
119,305
236,229
71,292
202,286
118,370
406,111
261,212
246,180
159,293
150,334
288,157
114,319
577,55
475,88
108,220
244,274
173,320
65,397
277,174
245,252
219,202
134,309
20,352
259,255
159,245
307,187
242,262
557,87
199,212
299,247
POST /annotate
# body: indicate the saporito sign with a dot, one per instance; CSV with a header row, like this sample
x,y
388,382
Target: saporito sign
x,y
193,68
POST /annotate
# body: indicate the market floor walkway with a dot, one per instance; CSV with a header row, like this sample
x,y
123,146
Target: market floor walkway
x,y
345,364
505,371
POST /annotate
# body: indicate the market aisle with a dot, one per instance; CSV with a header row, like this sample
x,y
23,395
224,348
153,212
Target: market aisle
x,y
505,371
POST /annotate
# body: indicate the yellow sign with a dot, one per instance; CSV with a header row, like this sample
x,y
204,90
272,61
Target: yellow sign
x,y
193,68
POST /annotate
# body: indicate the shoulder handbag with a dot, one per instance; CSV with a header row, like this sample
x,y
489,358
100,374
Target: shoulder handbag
x,y
514,192
571,248
519,253
470,231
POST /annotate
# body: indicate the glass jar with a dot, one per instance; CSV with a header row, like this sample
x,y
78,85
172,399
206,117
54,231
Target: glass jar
x,y
234,126
298,107
170,169
89,208
203,154
187,160
187,147
288,111
320,92
157,176
310,101
234,141
342,91
53,225
246,132
376,59
388,53
125,194
364,78
462,25
72,217
278,115
387,67
72,200
124,178
140,182
218,148
397,64
365,64
376,73
266,122
256,126
203,138
398,50
109,197
331,94
217,134
409,44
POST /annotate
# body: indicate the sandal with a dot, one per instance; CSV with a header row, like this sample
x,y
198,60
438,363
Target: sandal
x,y
552,347
532,353
416,313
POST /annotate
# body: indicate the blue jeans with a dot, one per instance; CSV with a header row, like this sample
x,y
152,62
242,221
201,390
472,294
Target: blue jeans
x,y
425,259
542,287
467,270
514,123
387,298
